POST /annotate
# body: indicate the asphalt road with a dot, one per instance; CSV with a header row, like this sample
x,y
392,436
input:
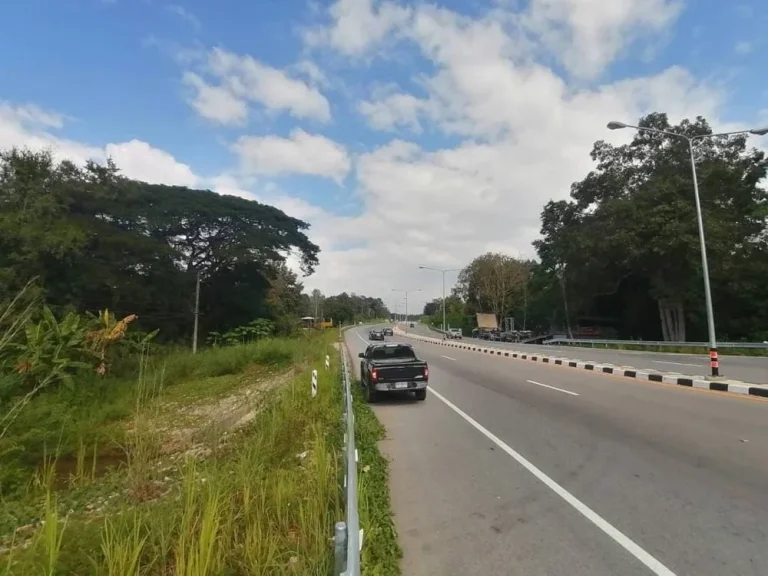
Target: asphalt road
x,y
511,467
750,369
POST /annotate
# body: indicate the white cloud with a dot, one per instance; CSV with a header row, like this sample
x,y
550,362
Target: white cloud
x,y
587,35
301,153
140,161
312,72
29,126
526,130
743,47
358,25
391,111
184,14
216,103
35,115
243,79
527,133
230,185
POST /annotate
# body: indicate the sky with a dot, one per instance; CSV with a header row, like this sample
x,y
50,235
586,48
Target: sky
x,y
407,133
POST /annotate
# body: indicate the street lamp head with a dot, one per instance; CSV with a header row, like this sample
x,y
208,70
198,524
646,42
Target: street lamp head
x,y
759,131
613,125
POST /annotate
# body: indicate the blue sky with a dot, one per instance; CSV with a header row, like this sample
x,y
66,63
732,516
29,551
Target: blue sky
x,y
409,129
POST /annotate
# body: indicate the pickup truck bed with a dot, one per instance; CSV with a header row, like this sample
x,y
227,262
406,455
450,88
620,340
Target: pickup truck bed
x,y
392,367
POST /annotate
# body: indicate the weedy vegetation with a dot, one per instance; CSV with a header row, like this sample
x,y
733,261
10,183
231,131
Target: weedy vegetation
x,y
214,463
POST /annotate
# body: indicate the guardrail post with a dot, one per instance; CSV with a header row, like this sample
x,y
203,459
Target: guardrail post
x,y
340,548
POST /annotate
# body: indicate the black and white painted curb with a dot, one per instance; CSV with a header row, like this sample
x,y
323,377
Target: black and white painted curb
x,y
732,386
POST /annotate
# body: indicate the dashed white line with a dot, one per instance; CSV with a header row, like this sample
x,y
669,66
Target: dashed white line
x,y
449,358
552,387
676,363
624,541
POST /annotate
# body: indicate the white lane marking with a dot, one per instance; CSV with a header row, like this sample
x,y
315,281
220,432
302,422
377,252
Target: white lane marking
x,y
449,358
361,338
552,387
676,363
624,541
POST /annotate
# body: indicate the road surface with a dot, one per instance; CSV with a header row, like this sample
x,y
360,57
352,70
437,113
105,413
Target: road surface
x,y
750,369
511,467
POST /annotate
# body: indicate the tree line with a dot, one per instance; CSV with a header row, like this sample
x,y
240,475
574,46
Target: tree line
x,y
622,254
86,239
344,308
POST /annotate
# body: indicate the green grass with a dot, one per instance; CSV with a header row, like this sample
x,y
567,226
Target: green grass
x,y
381,553
264,500
92,414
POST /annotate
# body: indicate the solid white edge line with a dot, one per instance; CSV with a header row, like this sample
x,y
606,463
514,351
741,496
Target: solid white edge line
x,y
678,363
449,358
553,387
624,541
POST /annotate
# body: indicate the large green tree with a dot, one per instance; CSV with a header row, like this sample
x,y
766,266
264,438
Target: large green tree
x,y
97,240
494,283
632,221
345,308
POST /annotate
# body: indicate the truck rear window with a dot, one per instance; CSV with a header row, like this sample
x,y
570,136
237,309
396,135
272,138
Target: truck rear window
x,y
387,352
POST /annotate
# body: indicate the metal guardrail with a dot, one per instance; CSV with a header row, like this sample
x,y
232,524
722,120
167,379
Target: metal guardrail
x,y
436,329
593,343
348,537
660,343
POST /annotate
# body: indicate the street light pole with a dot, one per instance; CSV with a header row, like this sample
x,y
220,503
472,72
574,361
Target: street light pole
x,y
443,273
406,302
713,359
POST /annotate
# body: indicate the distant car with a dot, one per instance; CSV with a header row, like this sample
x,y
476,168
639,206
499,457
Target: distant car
x,y
410,325
392,367
454,334
388,332
376,335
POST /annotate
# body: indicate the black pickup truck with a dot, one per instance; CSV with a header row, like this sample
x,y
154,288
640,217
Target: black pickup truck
x,y
392,367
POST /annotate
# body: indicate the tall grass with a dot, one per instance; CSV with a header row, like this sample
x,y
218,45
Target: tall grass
x,y
277,352
93,412
122,545
265,504
381,552
51,537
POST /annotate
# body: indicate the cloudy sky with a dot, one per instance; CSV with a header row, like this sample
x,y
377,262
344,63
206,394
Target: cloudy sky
x,y
407,133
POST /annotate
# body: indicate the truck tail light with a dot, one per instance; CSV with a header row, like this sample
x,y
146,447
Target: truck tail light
x,y
374,375
426,371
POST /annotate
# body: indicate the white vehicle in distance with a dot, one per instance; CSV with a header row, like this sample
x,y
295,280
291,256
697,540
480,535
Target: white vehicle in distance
x,y
454,334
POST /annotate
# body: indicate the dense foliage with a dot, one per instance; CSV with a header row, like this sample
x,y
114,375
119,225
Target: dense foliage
x,y
95,240
94,266
623,253
344,308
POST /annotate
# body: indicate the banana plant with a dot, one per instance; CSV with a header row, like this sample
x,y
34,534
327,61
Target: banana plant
x,y
52,351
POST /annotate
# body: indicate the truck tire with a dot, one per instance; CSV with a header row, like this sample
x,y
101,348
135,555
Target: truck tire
x,y
421,395
371,395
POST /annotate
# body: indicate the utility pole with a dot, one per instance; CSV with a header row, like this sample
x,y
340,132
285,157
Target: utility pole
x,y
445,326
406,303
561,274
525,302
197,314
